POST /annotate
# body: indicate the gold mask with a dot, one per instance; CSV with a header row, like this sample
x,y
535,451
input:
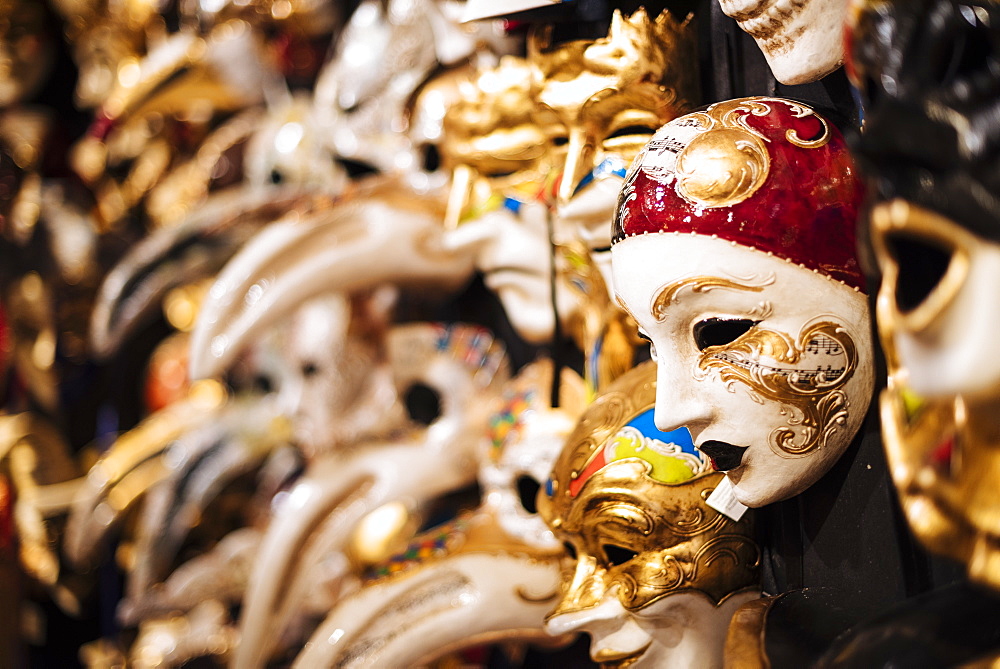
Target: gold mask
x,y
942,451
640,522
613,93
495,140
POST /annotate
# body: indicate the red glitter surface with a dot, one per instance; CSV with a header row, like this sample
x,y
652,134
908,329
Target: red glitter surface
x,y
805,212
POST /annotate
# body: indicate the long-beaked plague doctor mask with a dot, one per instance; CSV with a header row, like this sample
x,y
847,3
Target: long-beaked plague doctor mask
x,y
654,574
927,73
734,252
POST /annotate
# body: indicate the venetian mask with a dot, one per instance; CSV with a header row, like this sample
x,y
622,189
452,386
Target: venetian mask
x,y
496,569
385,52
654,574
612,93
934,229
323,372
735,255
161,110
286,148
802,40
496,142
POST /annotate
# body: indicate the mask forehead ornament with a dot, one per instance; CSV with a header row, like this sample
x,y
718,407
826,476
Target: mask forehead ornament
x,y
934,232
717,160
611,93
802,40
725,217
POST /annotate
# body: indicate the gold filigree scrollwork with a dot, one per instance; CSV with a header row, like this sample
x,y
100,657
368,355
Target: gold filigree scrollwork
x,y
813,398
738,550
729,164
717,568
702,284
622,511
732,149
694,521
793,136
600,422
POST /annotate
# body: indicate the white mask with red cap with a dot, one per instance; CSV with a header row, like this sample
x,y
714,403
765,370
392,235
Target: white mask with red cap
x,y
734,252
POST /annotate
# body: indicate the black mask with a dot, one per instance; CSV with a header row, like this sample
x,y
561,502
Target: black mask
x,y
929,76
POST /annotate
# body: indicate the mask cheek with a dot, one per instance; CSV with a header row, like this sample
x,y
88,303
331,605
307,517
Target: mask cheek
x,y
799,406
766,477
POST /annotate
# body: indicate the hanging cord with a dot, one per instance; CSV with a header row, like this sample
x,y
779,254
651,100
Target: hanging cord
x,y
557,340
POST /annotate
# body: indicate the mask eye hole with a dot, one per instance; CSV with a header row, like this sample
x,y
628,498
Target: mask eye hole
x,y
423,403
263,383
570,550
921,265
617,555
527,492
720,331
631,131
431,158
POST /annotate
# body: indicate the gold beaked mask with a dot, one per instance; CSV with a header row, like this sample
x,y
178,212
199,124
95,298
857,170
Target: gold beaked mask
x,y
942,450
631,510
613,93
495,140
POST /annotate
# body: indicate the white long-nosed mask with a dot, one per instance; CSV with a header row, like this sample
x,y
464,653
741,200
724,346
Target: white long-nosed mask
x,y
735,255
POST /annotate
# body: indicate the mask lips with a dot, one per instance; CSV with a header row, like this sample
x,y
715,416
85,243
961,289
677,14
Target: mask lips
x,y
724,456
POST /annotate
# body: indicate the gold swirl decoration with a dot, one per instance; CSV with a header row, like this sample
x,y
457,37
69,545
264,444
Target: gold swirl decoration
x,y
606,415
702,284
729,161
692,521
792,136
717,557
818,404
632,533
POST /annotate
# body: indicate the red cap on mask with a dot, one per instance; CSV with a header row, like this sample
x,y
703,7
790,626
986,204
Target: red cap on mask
x,y
766,173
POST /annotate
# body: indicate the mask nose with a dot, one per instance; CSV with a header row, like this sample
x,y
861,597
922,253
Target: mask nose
x,y
579,162
680,402
581,594
604,621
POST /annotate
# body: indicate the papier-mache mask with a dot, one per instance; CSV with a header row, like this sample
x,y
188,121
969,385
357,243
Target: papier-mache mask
x,y
495,142
654,574
734,251
927,73
802,40
610,94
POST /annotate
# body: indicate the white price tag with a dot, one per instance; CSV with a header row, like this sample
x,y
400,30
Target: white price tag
x,y
724,501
